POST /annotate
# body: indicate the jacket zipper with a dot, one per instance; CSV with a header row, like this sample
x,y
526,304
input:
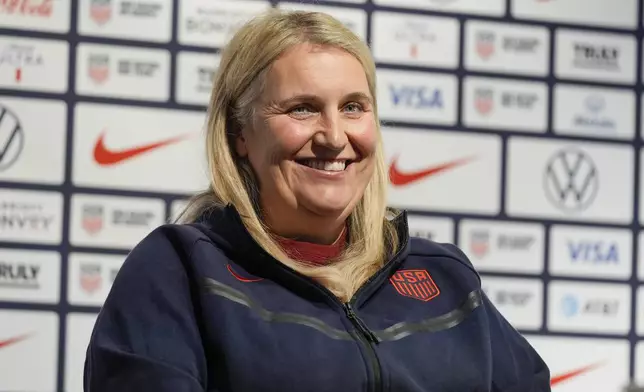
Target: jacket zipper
x,y
366,338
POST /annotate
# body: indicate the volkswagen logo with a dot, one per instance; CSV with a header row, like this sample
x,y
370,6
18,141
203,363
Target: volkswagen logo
x,y
571,180
12,138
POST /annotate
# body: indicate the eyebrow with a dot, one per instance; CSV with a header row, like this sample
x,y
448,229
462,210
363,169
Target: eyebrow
x,y
355,96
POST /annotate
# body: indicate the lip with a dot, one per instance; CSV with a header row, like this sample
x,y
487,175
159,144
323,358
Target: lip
x,y
335,175
352,160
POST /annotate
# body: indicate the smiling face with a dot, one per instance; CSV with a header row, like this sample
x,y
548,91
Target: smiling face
x,y
311,142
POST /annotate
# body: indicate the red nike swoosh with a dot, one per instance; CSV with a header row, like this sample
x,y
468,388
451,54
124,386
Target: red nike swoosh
x,y
560,378
105,157
399,178
8,342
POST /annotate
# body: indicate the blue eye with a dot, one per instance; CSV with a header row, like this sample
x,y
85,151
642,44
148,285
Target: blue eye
x,y
353,107
300,110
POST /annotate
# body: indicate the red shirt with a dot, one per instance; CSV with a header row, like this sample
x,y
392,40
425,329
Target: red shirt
x,y
313,253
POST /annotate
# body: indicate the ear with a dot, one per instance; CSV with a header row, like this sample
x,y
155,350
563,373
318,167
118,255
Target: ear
x,y
240,145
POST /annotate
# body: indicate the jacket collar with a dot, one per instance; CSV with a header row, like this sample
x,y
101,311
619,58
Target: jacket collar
x,y
224,226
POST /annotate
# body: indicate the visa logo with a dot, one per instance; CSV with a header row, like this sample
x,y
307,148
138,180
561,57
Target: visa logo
x,y
593,252
416,97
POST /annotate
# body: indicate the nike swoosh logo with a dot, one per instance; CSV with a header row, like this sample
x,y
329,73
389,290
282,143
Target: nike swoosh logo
x,y
400,178
107,157
8,342
562,377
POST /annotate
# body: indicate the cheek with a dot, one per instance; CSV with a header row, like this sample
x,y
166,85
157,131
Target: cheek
x,y
288,135
365,138
277,139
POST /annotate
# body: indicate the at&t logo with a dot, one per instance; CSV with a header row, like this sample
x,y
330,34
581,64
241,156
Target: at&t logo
x,y
569,306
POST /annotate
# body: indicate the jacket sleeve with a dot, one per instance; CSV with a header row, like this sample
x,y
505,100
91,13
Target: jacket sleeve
x,y
516,366
146,337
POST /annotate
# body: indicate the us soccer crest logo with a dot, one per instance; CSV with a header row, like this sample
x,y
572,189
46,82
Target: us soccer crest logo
x,y
479,242
100,11
92,218
485,42
90,277
98,67
417,284
484,100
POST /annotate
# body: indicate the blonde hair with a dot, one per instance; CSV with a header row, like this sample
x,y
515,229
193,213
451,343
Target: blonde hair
x,y
238,83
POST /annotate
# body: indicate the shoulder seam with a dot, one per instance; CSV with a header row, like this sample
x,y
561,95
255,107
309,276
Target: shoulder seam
x,y
466,264
200,237
188,247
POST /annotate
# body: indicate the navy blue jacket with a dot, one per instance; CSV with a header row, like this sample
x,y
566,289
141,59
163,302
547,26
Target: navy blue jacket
x,y
202,307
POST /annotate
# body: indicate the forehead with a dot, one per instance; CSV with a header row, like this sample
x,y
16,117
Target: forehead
x,y
314,69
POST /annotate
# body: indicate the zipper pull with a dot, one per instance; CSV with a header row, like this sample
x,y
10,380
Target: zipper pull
x,y
360,325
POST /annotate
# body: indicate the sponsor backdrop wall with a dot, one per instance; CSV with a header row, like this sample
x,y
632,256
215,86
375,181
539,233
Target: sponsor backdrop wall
x,y
512,128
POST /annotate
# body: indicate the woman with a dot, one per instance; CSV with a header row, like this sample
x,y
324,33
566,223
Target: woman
x,y
291,274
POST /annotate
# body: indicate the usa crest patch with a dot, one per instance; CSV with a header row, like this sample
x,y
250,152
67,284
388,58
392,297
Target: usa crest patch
x,y
415,283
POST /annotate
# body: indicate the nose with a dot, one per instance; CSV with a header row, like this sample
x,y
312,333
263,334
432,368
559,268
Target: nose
x,y
331,133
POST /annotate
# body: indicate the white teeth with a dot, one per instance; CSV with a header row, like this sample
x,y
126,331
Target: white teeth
x,y
326,165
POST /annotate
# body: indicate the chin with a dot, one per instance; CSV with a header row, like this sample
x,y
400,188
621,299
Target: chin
x,y
334,202
330,209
